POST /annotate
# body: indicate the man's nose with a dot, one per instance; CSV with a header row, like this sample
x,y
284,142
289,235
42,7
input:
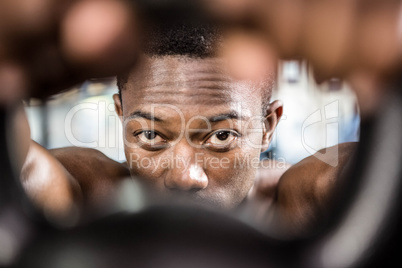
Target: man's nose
x,y
185,174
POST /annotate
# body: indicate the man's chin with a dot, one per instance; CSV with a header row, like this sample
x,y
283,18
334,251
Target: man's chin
x,y
217,200
200,199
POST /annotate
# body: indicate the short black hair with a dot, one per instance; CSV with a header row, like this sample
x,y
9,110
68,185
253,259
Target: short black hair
x,y
193,40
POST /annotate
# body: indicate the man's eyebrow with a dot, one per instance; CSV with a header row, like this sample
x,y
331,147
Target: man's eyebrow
x,y
225,116
145,115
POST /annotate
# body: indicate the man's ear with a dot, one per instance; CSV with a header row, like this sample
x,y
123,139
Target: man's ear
x,y
272,117
117,106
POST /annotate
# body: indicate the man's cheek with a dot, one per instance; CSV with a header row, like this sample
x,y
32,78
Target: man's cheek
x,y
244,167
133,160
220,167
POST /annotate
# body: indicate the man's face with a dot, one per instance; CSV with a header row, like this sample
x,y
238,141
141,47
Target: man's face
x,y
190,129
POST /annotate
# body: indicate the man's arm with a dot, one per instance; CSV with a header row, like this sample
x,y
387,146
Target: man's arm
x,y
62,180
50,186
96,174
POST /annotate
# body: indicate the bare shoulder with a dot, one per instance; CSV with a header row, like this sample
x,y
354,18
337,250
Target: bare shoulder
x,y
96,173
261,196
84,156
305,190
313,177
50,186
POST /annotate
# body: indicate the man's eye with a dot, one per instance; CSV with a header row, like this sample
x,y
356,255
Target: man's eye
x,y
222,138
150,137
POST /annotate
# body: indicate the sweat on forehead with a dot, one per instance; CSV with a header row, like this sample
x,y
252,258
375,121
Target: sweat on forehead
x,y
181,79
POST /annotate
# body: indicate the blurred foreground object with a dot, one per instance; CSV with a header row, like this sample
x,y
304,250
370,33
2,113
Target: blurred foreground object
x,y
47,46
336,36
356,40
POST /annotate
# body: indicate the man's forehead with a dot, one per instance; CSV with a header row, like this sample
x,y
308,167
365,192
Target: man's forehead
x,y
181,80
167,66
165,113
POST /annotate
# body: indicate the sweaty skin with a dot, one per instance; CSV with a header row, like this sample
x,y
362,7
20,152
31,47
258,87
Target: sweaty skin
x,y
191,130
